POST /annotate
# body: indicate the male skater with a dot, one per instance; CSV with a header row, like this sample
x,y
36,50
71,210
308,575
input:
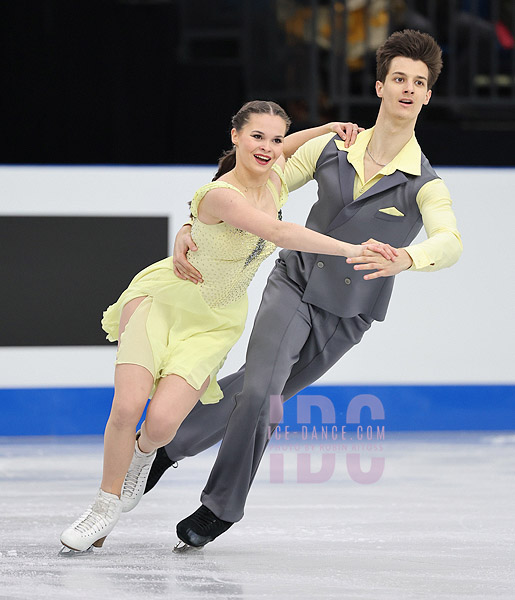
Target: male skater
x,y
315,308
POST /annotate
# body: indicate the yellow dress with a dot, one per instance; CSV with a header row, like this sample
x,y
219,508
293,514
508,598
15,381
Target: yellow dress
x,y
190,328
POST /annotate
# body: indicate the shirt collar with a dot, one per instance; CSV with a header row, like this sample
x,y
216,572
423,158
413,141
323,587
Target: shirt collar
x,y
408,160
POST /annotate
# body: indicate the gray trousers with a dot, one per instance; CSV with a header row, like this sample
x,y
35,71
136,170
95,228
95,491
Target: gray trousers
x,y
292,344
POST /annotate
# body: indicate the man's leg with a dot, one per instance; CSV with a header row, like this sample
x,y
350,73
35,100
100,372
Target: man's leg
x,y
283,368
246,436
281,329
224,497
319,354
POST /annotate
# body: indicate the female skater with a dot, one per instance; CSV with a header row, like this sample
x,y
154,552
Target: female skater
x,y
174,335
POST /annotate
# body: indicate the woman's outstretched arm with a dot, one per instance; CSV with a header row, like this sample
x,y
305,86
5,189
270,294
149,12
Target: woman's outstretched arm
x,y
228,205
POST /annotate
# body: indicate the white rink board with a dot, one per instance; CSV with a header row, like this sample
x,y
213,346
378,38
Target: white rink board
x,y
439,329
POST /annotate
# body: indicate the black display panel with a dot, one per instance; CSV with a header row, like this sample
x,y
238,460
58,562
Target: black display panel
x,y
58,274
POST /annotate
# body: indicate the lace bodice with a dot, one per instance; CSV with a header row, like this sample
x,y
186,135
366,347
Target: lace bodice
x,y
227,257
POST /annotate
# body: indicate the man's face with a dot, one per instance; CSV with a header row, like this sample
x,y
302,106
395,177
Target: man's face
x,y
404,90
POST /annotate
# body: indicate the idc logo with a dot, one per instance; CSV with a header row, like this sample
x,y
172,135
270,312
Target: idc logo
x,y
322,444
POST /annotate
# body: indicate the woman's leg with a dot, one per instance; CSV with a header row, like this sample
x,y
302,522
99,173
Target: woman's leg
x,y
173,400
133,385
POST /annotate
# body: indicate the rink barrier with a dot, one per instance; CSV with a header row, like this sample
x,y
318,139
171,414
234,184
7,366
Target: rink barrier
x,y
84,411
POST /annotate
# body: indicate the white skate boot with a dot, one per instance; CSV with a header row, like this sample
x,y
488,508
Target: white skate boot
x,y
136,478
92,528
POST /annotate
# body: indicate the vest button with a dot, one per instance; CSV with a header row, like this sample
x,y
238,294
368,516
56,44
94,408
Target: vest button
x,y
347,281
320,264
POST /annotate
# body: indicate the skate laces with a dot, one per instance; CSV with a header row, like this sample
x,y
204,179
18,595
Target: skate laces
x,y
89,521
96,516
203,517
141,467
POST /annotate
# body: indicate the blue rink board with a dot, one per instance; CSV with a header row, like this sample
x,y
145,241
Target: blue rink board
x,y
77,411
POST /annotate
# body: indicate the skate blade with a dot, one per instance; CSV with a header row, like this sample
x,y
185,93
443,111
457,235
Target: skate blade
x,y
66,552
182,548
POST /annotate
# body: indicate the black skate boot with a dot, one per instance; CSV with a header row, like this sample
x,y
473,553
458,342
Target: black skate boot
x,y
159,466
201,527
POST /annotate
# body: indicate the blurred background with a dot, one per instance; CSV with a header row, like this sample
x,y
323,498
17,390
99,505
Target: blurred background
x,y
156,81
113,112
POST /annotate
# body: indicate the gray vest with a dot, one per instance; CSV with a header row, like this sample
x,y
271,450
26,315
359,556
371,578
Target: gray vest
x,y
328,281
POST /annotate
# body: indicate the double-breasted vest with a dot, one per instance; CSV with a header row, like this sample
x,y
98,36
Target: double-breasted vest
x,y
328,281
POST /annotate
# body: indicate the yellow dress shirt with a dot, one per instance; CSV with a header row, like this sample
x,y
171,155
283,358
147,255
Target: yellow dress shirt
x,y
443,246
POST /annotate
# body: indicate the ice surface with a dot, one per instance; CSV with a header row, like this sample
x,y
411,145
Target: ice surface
x,y
438,523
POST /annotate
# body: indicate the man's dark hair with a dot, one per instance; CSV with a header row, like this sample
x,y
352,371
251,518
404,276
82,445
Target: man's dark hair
x,y
410,44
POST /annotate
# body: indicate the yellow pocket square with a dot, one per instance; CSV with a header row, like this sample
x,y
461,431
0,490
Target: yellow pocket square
x,y
391,210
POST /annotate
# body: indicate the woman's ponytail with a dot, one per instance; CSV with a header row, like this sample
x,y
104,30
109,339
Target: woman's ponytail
x,y
226,163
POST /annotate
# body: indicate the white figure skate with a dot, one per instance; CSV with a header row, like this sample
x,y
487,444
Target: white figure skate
x,y
136,478
92,528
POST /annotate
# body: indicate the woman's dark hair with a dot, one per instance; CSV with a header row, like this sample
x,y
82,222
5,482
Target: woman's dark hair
x,y
410,44
256,107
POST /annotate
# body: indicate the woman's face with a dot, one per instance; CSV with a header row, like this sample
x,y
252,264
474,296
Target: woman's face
x,y
259,143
